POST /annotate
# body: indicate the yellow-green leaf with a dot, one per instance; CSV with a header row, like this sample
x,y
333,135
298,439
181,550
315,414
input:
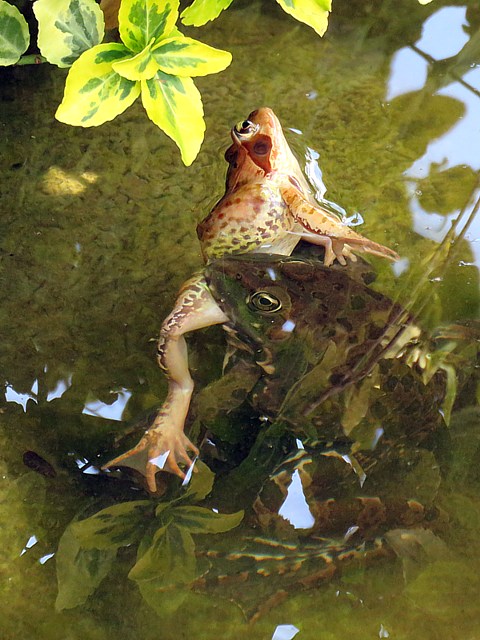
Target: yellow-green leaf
x,y
140,21
311,12
14,36
94,92
174,104
187,57
67,28
143,66
202,11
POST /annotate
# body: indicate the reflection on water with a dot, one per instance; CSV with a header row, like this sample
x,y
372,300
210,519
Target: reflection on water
x,y
98,234
113,411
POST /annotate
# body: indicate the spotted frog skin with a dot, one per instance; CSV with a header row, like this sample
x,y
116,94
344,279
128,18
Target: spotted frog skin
x,y
311,331
268,207
335,357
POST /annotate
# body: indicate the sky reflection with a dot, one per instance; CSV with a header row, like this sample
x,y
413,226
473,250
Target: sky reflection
x,y
112,411
443,36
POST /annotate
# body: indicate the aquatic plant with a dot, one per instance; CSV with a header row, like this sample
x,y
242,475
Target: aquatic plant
x,y
163,532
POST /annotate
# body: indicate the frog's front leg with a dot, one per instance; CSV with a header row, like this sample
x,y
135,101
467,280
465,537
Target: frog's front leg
x,y
164,444
323,228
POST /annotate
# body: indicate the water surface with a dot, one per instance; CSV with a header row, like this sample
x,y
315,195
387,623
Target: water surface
x,y
98,232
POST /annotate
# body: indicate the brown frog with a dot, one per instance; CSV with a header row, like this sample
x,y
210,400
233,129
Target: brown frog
x,y
268,206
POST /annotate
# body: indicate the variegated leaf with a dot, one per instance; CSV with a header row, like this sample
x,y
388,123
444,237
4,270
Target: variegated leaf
x,y
201,520
311,12
174,104
94,92
116,526
67,28
14,36
79,571
170,558
140,21
202,11
187,57
143,66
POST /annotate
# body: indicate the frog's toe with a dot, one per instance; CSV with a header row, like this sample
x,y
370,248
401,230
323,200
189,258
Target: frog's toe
x,y
135,458
158,450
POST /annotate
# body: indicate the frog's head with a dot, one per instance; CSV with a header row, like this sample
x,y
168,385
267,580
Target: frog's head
x,y
261,299
259,148
284,304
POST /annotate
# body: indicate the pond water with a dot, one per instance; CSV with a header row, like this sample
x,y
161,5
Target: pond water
x,y
98,232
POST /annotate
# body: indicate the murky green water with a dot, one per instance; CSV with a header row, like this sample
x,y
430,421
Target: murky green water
x,y
98,232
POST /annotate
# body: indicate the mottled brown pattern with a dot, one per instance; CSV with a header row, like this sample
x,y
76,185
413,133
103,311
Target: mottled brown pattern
x,y
265,185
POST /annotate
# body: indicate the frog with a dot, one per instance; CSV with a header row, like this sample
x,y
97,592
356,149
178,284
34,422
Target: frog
x,y
268,206
337,361
310,331
264,225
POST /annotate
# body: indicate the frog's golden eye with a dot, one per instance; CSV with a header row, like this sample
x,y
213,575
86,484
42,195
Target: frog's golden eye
x,y
264,301
246,129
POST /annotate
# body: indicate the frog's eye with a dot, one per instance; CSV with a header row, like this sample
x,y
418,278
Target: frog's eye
x,y
246,129
264,301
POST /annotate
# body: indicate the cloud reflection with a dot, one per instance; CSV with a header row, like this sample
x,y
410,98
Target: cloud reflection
x,y
112,411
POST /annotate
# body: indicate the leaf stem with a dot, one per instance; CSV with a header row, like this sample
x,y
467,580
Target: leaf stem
x,y
33,58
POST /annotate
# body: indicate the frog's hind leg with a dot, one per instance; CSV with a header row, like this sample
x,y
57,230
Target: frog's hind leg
x,y
164,444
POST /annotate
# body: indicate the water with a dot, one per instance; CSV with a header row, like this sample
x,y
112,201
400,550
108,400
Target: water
x,y
98,233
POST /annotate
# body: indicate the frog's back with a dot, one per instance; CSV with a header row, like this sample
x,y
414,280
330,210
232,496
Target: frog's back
x,y
299,316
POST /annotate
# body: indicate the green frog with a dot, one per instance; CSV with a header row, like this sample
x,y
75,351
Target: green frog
x,y
324,350
357,382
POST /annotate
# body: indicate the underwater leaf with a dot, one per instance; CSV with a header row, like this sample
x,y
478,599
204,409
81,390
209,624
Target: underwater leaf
x,y
202,520
67,28
187,57
14,35
416,548
202,11
141,21
94,92
169,559
175,105
200,485
311,12
114,527
358,402
143,66
79,571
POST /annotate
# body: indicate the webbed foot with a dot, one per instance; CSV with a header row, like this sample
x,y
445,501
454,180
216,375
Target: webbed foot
x,y
161,448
